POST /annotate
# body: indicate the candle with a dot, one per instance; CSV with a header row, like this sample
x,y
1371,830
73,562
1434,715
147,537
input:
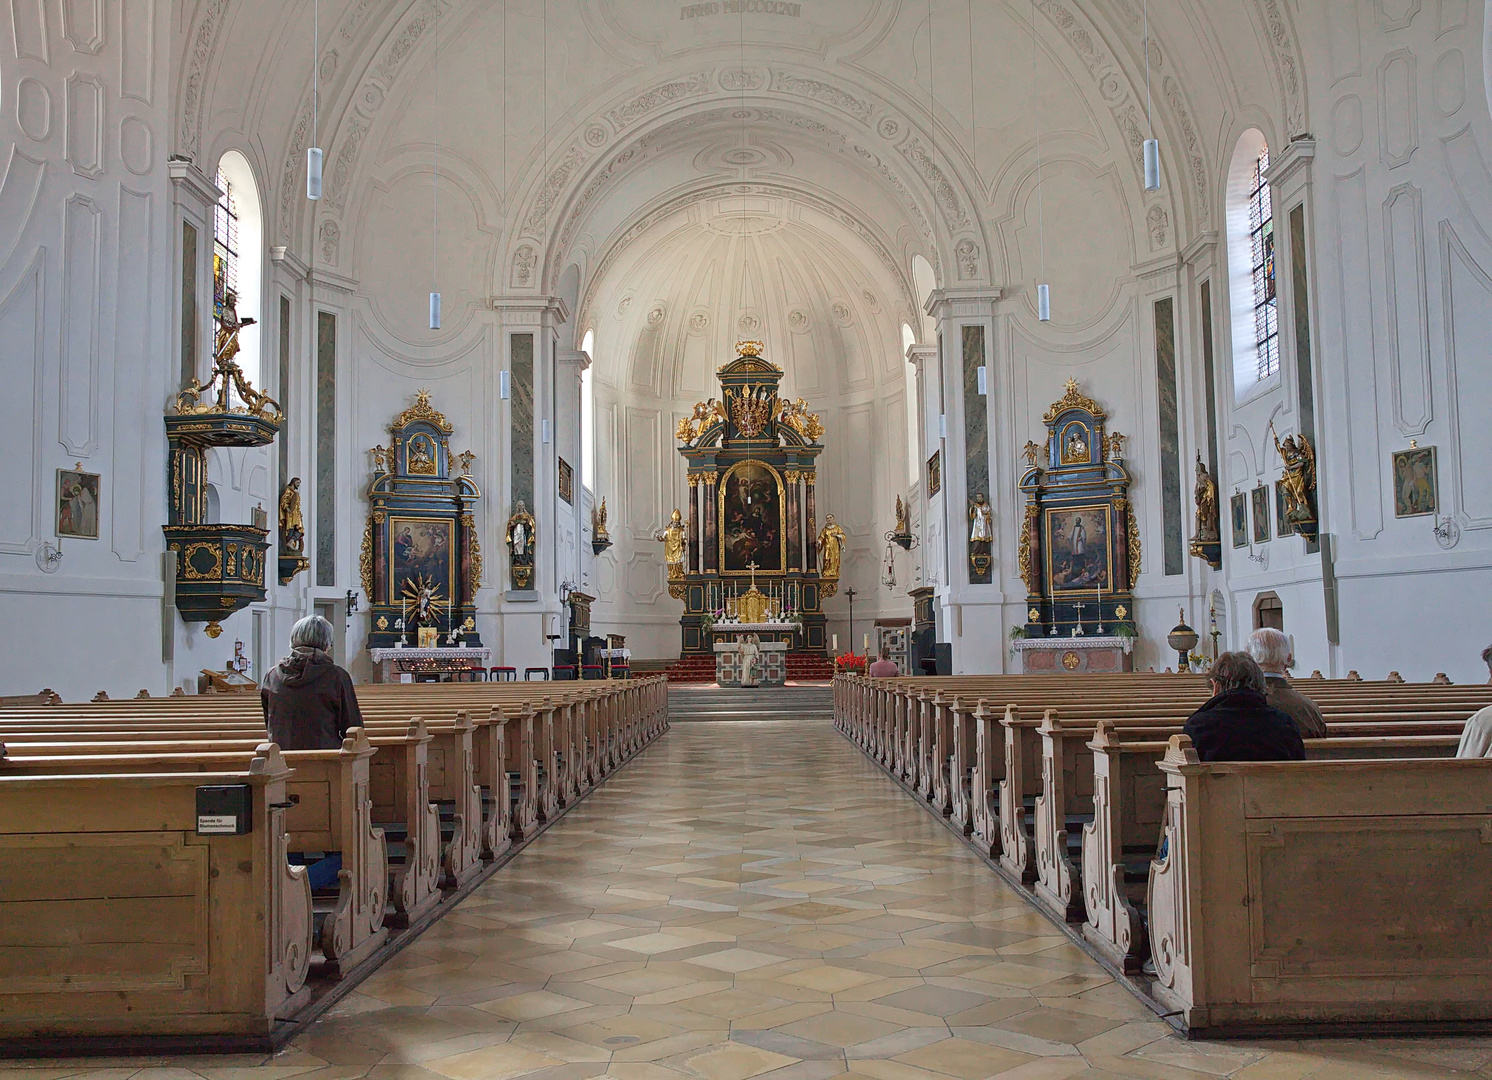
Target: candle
x,y
867,644
836,642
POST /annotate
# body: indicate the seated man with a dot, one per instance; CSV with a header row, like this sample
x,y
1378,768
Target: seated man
x,y
1271,650
1237,723
1476,736
1487,659
884,668
308,701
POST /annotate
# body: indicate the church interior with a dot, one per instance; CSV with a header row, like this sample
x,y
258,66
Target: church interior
x,y
769,488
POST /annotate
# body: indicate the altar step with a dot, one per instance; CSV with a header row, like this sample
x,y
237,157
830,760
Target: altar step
x,y
694,704
801,667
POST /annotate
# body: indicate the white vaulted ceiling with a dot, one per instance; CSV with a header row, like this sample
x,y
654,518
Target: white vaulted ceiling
x,y
755,264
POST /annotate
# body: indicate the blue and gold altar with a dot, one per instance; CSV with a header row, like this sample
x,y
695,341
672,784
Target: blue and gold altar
x,y
421,562
1080,543
750,547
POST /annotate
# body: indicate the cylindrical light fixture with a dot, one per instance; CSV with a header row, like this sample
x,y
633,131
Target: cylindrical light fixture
x,y
1152,164
313,172
435,311
1044,302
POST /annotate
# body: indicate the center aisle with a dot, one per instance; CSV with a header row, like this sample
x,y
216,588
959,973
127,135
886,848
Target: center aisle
x,y
756,900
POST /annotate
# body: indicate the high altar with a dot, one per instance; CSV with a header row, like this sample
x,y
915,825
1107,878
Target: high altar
x,y
749,549
1080,544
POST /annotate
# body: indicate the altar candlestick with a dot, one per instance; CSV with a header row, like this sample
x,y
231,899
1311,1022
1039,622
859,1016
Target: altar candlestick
x,y
836,643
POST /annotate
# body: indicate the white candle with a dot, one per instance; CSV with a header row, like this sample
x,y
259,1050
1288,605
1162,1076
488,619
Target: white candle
x,y
836,642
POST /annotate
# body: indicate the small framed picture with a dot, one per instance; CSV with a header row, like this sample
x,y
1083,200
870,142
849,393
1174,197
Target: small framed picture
x,y
935,473
77,504
1239,506
1281,522
1416,484
566,482
1261,514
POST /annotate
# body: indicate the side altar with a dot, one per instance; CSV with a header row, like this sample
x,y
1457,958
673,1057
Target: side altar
x,y
1080,544
749,551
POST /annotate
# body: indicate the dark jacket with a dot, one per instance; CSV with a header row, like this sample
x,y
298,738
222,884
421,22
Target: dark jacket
x,y
1241,725
1299,708
309,703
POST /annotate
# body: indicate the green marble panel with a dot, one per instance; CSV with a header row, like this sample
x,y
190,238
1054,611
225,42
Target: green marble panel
x,y
1174,547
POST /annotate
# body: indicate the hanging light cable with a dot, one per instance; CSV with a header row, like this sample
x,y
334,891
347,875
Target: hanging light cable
x,y
1043,290
313,152
1152,144
435,205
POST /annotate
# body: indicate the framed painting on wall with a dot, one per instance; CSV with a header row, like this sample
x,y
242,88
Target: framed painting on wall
x,y
566,482
1240,509
1079,548
420,553
1281,504
1261,514
1416,483
935,473
77,504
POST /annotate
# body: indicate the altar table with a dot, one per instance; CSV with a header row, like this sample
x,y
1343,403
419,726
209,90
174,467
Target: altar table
x,y
390,664
1075,655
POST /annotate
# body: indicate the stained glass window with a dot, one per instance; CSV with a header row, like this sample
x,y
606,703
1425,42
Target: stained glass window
x,y
224,246
1261,243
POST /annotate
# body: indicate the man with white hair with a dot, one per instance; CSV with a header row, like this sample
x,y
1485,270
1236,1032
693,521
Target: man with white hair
x,y
1271,651
308,701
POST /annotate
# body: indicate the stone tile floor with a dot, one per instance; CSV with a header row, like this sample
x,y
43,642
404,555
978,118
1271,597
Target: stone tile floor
x,y
756,900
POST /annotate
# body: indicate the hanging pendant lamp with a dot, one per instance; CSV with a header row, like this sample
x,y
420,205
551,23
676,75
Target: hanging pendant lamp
x,y
1152,144
313,153
1043,290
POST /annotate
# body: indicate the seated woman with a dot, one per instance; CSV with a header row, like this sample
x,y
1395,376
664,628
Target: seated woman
x,y
309,702
1237,723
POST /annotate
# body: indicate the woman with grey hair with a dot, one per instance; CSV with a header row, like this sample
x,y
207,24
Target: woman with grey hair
x,y
309,703
1237,723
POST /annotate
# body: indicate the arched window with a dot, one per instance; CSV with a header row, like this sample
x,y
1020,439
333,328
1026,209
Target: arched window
x,y
237,254
588,416
1251,265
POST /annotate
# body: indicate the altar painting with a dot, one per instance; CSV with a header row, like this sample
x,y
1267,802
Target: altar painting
x,y
1080,549
420,551
751,519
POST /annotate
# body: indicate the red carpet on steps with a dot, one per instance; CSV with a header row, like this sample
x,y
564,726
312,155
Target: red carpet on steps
x,y
801,667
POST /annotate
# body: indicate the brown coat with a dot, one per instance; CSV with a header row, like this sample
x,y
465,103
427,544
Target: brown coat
x,y
1301,709
308,702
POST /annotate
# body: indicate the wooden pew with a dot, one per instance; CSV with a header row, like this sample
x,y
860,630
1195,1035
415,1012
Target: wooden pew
x,y
1366,886
329,811
119,920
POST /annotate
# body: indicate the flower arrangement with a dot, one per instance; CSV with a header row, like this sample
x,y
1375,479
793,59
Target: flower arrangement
x,y
850,664
708,620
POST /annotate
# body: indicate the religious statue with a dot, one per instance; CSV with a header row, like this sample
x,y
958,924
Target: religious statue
x,y
903,525
981,527
420,460
599,525
1031,453
673,544
519,538
751,660
226,369
1206,499
292,526
981,538
1075,448
831,547
1299,482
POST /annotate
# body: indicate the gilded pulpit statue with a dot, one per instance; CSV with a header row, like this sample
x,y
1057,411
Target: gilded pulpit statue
x,y
225,348
599,530
673,544
292,525
981,521
519,538
831,548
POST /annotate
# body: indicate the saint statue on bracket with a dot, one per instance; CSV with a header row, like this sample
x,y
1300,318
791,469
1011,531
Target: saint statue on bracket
x,y
672,538
519,538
